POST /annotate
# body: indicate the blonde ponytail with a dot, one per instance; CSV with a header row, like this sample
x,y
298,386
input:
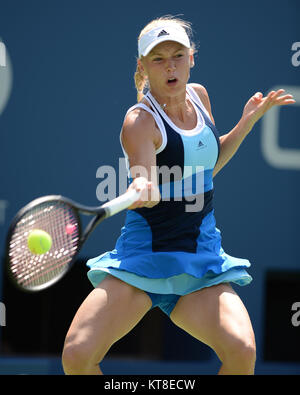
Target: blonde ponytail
x,y
140,83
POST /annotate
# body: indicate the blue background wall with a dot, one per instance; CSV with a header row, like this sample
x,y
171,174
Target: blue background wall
x,y
72,64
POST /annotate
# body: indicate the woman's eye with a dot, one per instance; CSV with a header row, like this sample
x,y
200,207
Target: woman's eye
x,y
179,55
157,59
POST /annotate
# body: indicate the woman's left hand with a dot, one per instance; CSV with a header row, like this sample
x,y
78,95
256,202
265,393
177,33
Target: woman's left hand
x,y
258,105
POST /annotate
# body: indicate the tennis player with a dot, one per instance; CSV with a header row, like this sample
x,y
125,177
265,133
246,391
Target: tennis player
x,y
169,254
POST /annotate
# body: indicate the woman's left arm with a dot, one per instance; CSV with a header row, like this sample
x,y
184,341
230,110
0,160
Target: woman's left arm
x,y
254,109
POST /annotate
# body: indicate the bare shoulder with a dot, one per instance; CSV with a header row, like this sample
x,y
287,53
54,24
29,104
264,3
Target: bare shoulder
x,y
200,90
139,127
204,97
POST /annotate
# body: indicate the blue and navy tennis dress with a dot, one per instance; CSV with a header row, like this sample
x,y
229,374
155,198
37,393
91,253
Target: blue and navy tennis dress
x,y
174,248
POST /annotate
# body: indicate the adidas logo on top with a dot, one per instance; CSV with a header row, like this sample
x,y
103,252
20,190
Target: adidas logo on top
x,y
200,145
163,33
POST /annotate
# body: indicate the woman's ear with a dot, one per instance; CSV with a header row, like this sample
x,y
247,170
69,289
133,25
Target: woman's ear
x,y
192,60
141,67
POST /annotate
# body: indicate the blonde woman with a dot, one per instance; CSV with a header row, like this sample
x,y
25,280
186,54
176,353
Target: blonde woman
x,y
169,253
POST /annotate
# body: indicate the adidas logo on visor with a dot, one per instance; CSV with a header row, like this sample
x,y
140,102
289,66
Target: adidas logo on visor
x,y
163,33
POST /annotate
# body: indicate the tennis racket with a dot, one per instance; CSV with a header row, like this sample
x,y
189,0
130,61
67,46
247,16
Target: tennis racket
x,y
60,218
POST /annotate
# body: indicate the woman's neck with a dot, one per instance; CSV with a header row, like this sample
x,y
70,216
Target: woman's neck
x,y
175,107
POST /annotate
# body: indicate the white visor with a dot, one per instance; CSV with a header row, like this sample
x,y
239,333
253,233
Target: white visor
x,y
160,34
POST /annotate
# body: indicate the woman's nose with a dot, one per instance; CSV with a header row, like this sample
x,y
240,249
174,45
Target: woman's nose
x,y
171,65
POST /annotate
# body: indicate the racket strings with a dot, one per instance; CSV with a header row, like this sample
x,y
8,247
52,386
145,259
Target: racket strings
x,y
59,220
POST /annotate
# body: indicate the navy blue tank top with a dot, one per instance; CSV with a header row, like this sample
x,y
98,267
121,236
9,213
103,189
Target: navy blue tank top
x,y
185,166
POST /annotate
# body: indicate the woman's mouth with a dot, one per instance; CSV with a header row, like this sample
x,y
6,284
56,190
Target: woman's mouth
x,y
172,81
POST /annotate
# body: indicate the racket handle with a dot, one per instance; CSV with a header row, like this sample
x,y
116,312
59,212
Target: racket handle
x,y
121,202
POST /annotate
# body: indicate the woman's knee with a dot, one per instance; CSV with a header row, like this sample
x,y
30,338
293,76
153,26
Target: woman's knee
x,y
239,355
77,358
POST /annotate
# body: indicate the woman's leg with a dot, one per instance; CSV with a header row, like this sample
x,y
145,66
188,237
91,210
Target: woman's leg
x,y
217,317
108,313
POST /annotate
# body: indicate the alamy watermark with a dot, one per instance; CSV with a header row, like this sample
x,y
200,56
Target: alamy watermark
x,y
3,207
296,316
2,314
296,56
2,54
176,183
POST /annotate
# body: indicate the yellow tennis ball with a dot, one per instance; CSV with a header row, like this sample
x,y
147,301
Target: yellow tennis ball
x,y
39,241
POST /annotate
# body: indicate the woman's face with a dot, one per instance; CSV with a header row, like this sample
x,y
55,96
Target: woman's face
x,y
167,68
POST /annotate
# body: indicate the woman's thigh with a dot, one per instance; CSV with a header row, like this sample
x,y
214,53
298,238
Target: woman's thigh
x,y
217,317
108,313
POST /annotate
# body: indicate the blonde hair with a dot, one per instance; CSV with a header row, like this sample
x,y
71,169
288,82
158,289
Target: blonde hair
x,y
139,79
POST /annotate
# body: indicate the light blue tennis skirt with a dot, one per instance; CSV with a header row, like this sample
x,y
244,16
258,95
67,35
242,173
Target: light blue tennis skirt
x,y
168,272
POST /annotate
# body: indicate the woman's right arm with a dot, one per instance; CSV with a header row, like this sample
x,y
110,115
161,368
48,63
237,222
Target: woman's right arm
x,y
140,138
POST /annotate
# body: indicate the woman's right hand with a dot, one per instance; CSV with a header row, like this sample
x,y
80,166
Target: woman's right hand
x,y
150,194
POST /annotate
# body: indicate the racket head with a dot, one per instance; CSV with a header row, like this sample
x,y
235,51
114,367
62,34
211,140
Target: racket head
x,y
58,217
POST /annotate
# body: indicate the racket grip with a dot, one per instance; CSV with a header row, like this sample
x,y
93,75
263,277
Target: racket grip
x,y
121,202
